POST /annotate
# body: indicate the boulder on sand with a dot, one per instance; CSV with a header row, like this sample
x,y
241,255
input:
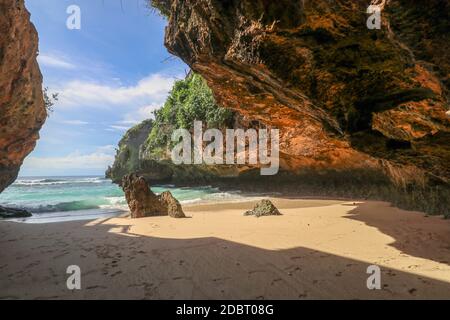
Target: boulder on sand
x,y
144,203
263,208
172,205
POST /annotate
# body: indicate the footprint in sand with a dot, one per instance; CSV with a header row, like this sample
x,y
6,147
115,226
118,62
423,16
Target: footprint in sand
x,y
350,265
256,271
274,281
391,273
221,279
96,287
33,264
116,273
412,291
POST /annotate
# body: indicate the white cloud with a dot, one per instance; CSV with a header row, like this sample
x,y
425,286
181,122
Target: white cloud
x,y
139,115
133,118
98,160
55,62
75,122
119,128
150,90
108,149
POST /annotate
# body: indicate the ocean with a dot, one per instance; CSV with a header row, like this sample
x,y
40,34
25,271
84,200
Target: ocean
x,y
54,199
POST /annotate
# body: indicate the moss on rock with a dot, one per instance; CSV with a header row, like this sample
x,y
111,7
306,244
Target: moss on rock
x,y
263,208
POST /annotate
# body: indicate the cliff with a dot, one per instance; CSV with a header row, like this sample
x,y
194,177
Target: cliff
x,y
128,153
362,113
343,96
146,148
22,110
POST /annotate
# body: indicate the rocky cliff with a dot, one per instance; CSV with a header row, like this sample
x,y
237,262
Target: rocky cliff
x,y
362,113
343,96
127,158
22,110
146,148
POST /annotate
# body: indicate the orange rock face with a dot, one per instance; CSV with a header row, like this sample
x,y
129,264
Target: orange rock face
x,y
342,95
22,110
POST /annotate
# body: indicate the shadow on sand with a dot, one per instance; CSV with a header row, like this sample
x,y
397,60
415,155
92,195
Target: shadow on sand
x,y
118,264
415,234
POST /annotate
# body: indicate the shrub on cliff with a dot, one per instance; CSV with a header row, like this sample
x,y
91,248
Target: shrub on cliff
x,y
161,6
190,99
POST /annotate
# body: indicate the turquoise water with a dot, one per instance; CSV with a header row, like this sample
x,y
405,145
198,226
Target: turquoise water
x,y
64,198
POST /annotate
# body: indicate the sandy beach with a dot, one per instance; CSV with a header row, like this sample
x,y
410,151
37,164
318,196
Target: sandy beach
x,y
318,249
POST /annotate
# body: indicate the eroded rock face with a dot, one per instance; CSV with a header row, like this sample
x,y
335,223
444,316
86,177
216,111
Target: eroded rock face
x,y
127,159
144,203
171,205
22,111
343,96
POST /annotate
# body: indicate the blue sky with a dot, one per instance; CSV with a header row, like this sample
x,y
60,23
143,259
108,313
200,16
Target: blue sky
x,y
110,75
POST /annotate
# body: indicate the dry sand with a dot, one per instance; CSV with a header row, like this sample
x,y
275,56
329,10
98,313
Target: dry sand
x,y
317,249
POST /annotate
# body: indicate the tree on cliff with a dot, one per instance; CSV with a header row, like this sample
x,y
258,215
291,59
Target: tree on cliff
x,y
162,6
190,99
50,100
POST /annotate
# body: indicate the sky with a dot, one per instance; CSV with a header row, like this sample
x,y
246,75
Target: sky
x,y
110,74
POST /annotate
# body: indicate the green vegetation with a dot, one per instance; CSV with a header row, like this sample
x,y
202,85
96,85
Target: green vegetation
x,y
190,100
146,147
50,100
161,6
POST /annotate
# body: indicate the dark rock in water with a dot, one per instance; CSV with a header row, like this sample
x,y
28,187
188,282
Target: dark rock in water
x,y
263,208
8,213
144,203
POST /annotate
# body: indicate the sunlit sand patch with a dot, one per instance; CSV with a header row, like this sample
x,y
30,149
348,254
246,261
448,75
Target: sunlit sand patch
x,y
354,230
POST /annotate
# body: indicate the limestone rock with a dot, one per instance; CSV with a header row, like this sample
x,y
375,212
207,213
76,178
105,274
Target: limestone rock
x,y
343,96
144,203
22,110
141,200
263,208
173,207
